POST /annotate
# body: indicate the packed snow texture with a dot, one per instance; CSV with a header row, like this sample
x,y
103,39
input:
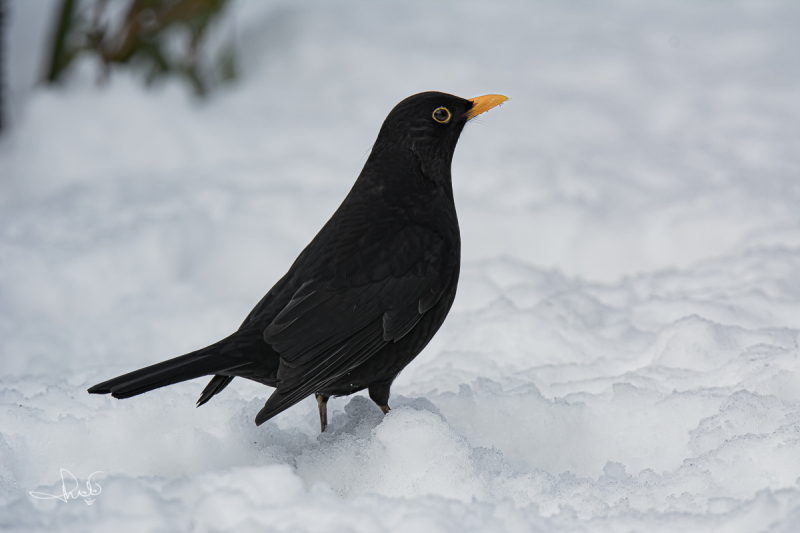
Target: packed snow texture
x,y
623,351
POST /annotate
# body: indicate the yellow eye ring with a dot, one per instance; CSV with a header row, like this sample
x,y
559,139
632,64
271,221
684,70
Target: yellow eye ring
x,y
441,115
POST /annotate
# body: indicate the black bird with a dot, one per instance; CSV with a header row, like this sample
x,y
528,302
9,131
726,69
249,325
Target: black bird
x,y
369,291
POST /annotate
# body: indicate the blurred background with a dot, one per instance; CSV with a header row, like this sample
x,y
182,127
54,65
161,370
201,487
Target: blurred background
x,y
628,306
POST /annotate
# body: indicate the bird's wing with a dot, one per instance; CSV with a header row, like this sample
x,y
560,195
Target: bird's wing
x,y
328,329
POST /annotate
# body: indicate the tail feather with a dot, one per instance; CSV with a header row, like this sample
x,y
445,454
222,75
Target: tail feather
x,y
214,386
204,362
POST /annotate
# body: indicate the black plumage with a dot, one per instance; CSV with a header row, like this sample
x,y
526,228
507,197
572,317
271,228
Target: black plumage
x,y
369,291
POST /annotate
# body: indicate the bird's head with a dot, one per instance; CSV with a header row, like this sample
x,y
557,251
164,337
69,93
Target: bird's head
x,y
428,125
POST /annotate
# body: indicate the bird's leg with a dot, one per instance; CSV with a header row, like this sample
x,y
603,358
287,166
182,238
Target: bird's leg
x,y
379,392
322,402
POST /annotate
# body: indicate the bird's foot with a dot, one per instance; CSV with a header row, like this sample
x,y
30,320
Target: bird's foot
x,y
322,403
385,409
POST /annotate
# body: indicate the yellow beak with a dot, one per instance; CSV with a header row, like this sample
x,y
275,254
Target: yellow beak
x,y
484,103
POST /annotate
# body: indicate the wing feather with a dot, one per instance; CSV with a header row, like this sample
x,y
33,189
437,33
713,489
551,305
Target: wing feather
x,y
328,328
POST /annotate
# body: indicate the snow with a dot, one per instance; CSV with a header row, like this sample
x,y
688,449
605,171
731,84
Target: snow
x,y
623,351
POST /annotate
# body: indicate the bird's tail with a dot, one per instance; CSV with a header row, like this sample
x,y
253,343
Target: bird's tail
x,y
203,362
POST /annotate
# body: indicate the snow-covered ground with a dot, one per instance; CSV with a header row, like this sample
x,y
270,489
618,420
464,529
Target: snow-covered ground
x,y
623,351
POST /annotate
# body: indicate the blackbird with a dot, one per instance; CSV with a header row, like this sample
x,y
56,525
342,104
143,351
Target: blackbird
x,y
369,291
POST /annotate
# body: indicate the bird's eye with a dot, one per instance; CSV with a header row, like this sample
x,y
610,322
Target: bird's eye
x,y
441,115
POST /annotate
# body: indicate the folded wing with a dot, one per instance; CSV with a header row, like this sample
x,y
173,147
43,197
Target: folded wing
x,y
329,328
